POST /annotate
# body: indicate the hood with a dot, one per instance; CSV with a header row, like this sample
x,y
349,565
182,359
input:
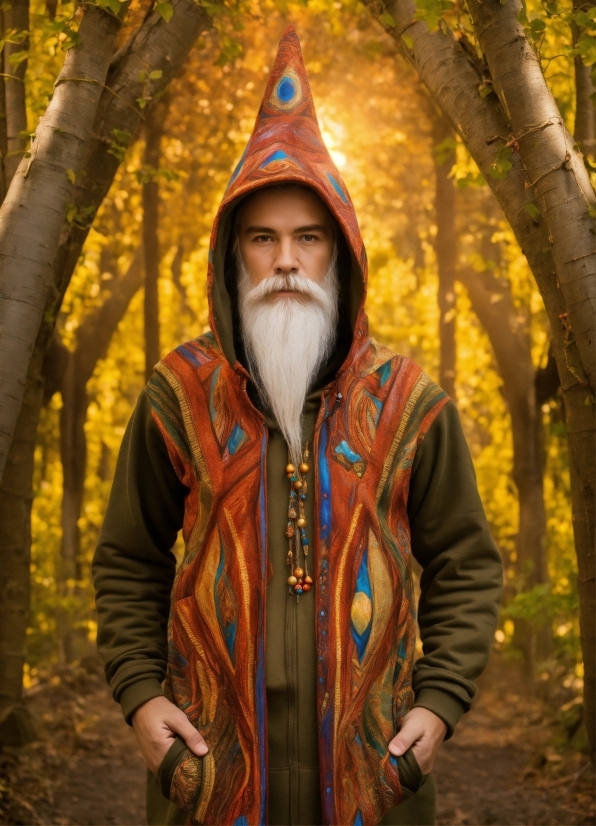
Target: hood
x,y
286,145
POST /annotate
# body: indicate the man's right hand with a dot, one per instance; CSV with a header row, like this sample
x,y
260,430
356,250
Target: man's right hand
x,y
156,724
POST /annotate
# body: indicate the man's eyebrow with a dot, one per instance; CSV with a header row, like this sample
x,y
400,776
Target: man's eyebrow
x,y
255,228
270,231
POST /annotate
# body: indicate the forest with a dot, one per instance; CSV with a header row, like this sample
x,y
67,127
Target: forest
x,y
465,133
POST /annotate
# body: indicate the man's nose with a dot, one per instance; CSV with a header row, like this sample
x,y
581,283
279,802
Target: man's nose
x,y
286,260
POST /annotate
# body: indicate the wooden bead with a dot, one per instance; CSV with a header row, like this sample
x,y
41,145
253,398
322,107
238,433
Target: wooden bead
x,y
308,580
298,572
290,469
298,484
292,580
306,586
289,532
304,468
301,522
292,513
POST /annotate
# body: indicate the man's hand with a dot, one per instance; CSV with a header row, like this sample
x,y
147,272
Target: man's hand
x,y
156,724
425,732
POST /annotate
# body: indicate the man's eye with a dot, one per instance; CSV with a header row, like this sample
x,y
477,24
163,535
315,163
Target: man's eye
x,y
308,237
262,238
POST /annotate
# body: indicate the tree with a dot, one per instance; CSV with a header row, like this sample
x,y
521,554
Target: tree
x,y
33,210
119,110
71,375
510,124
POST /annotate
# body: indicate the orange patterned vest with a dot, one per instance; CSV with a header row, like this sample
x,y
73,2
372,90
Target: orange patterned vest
x,y
364,444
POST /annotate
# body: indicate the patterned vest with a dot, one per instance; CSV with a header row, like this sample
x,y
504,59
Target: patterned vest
x,y
371,420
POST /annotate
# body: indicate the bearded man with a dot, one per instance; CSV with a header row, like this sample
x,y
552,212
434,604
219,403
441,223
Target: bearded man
x,y
271,678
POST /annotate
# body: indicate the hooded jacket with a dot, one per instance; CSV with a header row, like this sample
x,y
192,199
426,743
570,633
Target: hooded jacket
x,y
374,412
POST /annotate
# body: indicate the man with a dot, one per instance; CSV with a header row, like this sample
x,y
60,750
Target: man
x,y
305,464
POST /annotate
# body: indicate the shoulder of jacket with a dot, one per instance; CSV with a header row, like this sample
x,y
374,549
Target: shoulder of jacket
x,y
197,352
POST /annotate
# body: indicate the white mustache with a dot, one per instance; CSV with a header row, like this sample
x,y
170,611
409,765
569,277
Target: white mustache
x,y
293,282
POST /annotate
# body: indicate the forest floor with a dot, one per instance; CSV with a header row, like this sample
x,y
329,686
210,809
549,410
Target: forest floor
x,y
500,767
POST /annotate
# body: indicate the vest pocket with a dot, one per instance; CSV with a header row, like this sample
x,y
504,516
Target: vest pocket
x,y
410,774
168,765
180,776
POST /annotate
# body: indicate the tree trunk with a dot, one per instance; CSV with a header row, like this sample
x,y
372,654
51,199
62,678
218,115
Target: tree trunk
x,y
156,44
16,21
446,244
493,304
16,495
3,136
156,47
151,158
585,110
553,168
93,339
453,76
33,211
558,178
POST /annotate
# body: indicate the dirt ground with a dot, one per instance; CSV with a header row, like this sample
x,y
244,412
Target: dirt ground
x,y
499,768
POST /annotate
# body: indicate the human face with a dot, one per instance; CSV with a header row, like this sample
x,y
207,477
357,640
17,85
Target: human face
x,y
285,232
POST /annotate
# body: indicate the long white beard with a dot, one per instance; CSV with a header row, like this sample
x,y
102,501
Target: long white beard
x,y
287,339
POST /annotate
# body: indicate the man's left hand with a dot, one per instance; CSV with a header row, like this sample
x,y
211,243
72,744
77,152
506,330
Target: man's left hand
x,y
425,732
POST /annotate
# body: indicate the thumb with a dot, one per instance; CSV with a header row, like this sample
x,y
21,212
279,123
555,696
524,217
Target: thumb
x,y
194,740
408,735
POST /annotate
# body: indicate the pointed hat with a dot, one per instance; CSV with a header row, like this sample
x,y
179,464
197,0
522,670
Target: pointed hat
x,y
286,145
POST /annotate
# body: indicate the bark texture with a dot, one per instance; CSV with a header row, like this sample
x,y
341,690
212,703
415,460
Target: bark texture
x,y
16,21
452,73
34,209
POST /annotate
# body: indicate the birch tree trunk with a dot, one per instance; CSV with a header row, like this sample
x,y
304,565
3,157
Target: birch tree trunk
x,y
35,206
453,74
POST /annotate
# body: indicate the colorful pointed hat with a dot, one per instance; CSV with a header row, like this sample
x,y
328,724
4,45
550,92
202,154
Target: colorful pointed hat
x,y
286,145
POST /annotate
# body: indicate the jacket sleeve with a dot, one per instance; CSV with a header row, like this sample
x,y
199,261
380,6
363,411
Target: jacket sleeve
x,y
133,566
461,581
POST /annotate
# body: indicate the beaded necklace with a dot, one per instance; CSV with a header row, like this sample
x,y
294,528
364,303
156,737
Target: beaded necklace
x,y
298,581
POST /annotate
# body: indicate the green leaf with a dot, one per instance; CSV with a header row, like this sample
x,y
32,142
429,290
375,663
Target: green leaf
x,y
501,164
142,76
387,20
155,74
166,10
582,20
408,41
532,211
70,174
431,11
142,102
